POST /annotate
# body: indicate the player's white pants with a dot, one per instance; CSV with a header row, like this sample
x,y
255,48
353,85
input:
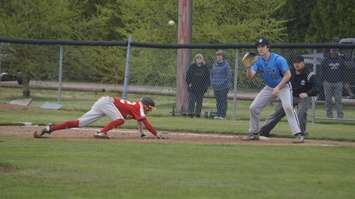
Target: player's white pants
x,y
264,98
103,106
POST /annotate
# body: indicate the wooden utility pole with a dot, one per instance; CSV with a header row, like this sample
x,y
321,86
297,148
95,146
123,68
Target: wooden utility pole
x,y
183,59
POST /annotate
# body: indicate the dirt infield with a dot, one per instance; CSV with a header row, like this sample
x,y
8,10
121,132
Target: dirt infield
x,y
131,135
12,107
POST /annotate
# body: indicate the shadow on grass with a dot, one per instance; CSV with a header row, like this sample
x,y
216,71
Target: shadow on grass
x,y
7,168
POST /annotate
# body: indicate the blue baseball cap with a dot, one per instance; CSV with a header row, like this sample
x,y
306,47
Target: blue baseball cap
x,y
262,42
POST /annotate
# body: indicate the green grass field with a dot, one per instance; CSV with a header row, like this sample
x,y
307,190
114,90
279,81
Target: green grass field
x,y
88,168
112,169
81,101
76,103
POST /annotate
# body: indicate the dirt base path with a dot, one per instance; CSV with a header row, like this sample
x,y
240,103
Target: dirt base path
x,y
132,135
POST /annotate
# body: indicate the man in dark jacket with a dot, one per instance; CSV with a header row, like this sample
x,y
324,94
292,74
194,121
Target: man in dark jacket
x,y
332,74
304,85
198,80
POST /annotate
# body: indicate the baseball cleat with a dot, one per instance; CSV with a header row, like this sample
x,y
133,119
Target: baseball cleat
x,y
45,130
299,138
37,134
263,138
261,133
101,135
252,136
160,136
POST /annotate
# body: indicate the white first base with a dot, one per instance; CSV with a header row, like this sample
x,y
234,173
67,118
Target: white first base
x,y
21,102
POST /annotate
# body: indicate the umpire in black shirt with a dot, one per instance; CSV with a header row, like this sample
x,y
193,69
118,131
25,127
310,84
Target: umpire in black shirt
x,y
304,85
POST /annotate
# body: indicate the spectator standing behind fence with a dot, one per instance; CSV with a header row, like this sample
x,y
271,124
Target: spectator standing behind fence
x,y
349,78
304,85
220,77
198,80
332,74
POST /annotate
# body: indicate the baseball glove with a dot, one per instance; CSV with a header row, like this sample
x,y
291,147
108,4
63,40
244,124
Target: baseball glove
x,y
249,59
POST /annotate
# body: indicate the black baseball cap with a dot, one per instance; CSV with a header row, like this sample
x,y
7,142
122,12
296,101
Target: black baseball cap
x,y
148,101
262,42
298,59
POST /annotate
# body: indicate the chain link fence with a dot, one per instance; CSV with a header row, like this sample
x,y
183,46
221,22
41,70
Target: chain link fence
x,y
72,76
101,69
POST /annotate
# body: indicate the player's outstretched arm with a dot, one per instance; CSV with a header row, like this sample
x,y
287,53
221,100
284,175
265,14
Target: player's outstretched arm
x,y
151,129
140,129
250,73
148,126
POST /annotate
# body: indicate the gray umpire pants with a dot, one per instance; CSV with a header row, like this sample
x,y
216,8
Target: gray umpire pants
x,y
336,90
263,98
302,105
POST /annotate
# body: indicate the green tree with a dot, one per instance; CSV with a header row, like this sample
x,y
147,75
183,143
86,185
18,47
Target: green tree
x,y
330,19
318,20
62,19
34,19
297,13
214,21
236,21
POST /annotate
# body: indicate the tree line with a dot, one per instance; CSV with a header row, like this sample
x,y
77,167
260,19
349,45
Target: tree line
x,y
214,21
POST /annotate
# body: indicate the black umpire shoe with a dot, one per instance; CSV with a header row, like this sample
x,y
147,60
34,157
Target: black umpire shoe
x,y
299,138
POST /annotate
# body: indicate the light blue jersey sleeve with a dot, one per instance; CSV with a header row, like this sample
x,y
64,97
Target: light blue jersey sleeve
x,y
282,64
256,66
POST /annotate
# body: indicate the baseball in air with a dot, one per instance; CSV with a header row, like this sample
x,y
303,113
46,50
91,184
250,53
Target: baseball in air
x,y
171,22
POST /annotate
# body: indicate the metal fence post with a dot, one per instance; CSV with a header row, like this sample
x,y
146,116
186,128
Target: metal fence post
x,y
126,72
1,55
0,63
314,99
60,73
235,86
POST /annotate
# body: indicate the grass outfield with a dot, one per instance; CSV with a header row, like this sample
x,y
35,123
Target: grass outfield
x,y
76,103
82,101
110,169
87,168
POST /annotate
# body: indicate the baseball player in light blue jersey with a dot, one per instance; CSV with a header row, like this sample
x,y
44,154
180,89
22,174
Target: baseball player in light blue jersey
x,y
275,73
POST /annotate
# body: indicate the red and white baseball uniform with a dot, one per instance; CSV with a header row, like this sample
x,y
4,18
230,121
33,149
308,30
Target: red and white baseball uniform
x,y
118,110
130,109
